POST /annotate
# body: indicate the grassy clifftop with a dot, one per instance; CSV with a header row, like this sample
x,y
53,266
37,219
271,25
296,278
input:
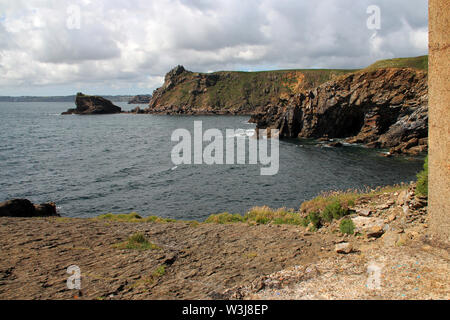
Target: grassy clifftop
x,y
420,63
237,92
233,91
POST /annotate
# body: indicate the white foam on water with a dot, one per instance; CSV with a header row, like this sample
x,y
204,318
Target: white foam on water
x,y
241,133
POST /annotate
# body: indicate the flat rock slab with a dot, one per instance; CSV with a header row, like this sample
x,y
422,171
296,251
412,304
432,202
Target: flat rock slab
x,y
200,261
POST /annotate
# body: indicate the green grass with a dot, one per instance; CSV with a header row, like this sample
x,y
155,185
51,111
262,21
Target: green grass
x,y
259,215
137,241
223,218
160,271
148,280
419,63
422,180
265,215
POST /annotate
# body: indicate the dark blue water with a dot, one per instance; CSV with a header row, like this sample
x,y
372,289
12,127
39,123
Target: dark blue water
x,y
90,165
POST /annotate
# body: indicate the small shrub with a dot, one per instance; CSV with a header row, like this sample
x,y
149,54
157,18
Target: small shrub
x,y
137,241
326,215
314,219
422,180
138,238
334,211
347,226
304,222
261,215
160,271
329,199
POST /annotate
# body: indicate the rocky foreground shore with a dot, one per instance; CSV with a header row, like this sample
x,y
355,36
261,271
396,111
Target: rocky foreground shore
x,y
191,260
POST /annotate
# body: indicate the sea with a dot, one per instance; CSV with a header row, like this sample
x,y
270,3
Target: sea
x,y
121,163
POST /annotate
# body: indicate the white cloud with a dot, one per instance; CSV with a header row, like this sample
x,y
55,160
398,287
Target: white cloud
x,y
128,46
419,38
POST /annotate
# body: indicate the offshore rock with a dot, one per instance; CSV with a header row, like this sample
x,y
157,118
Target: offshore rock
x,y
93,105
24,208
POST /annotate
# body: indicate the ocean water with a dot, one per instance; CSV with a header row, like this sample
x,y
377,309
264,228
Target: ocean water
x,y
90,165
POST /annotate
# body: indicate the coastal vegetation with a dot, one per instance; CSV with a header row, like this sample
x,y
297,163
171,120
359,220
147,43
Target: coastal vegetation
x,y
160,271
328,201
422,180
312,214
419,63
137,241
347,226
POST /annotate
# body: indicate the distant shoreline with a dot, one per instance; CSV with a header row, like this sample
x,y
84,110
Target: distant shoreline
x,y
71,98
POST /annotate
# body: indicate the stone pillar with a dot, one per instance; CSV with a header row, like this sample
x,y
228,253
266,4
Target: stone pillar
x,y
439,119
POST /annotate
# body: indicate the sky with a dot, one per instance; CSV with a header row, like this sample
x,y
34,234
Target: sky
x,y
59,47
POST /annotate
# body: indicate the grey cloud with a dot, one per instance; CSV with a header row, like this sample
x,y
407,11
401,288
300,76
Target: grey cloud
x,y
76,45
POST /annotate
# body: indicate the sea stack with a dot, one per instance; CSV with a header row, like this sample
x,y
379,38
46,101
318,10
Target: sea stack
x,y
93,105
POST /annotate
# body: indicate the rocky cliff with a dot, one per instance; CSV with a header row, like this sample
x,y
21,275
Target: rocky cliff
x,y
381,108
93,105
225,92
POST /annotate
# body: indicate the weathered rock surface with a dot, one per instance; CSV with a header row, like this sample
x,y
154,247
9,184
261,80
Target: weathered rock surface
x,y
24,208
383,108
201,261
343,248
93,105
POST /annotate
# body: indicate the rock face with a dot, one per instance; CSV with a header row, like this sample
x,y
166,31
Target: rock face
x,y
383,108
24,208
140,99
93,105
226,92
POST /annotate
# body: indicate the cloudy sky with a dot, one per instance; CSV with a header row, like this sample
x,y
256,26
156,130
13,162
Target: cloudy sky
x,y
59,47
